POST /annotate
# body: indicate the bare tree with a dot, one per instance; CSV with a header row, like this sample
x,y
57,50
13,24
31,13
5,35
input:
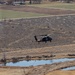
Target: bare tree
x,y
3,60
30,1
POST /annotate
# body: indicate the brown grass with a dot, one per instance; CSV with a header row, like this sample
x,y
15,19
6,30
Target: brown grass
x,y
21,72
61,73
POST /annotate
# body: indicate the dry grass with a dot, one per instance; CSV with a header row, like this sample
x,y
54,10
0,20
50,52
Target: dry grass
x,y
61,73
11,71
21,72
59,51
57,5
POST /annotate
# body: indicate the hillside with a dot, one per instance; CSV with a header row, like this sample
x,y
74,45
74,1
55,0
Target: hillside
x,y
20,33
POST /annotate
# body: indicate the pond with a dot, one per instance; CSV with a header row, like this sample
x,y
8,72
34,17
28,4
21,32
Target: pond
x,y
38,62
69,68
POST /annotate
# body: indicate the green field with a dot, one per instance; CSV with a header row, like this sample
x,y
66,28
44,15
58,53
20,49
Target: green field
x,y
8,14
70,6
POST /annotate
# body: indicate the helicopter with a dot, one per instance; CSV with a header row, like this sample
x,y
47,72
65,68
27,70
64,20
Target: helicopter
x,y
43,38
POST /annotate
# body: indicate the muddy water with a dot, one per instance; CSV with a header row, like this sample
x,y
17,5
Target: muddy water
x,y
38,62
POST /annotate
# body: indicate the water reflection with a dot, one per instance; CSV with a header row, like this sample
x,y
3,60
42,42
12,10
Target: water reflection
x,y
38,62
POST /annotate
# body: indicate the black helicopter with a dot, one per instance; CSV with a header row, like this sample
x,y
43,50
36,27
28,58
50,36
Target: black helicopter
x,y
44,38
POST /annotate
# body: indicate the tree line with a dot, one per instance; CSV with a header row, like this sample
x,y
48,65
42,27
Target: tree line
x,y
9,2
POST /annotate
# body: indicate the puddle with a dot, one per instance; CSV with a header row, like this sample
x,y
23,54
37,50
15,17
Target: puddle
x,y
38,62
69,68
